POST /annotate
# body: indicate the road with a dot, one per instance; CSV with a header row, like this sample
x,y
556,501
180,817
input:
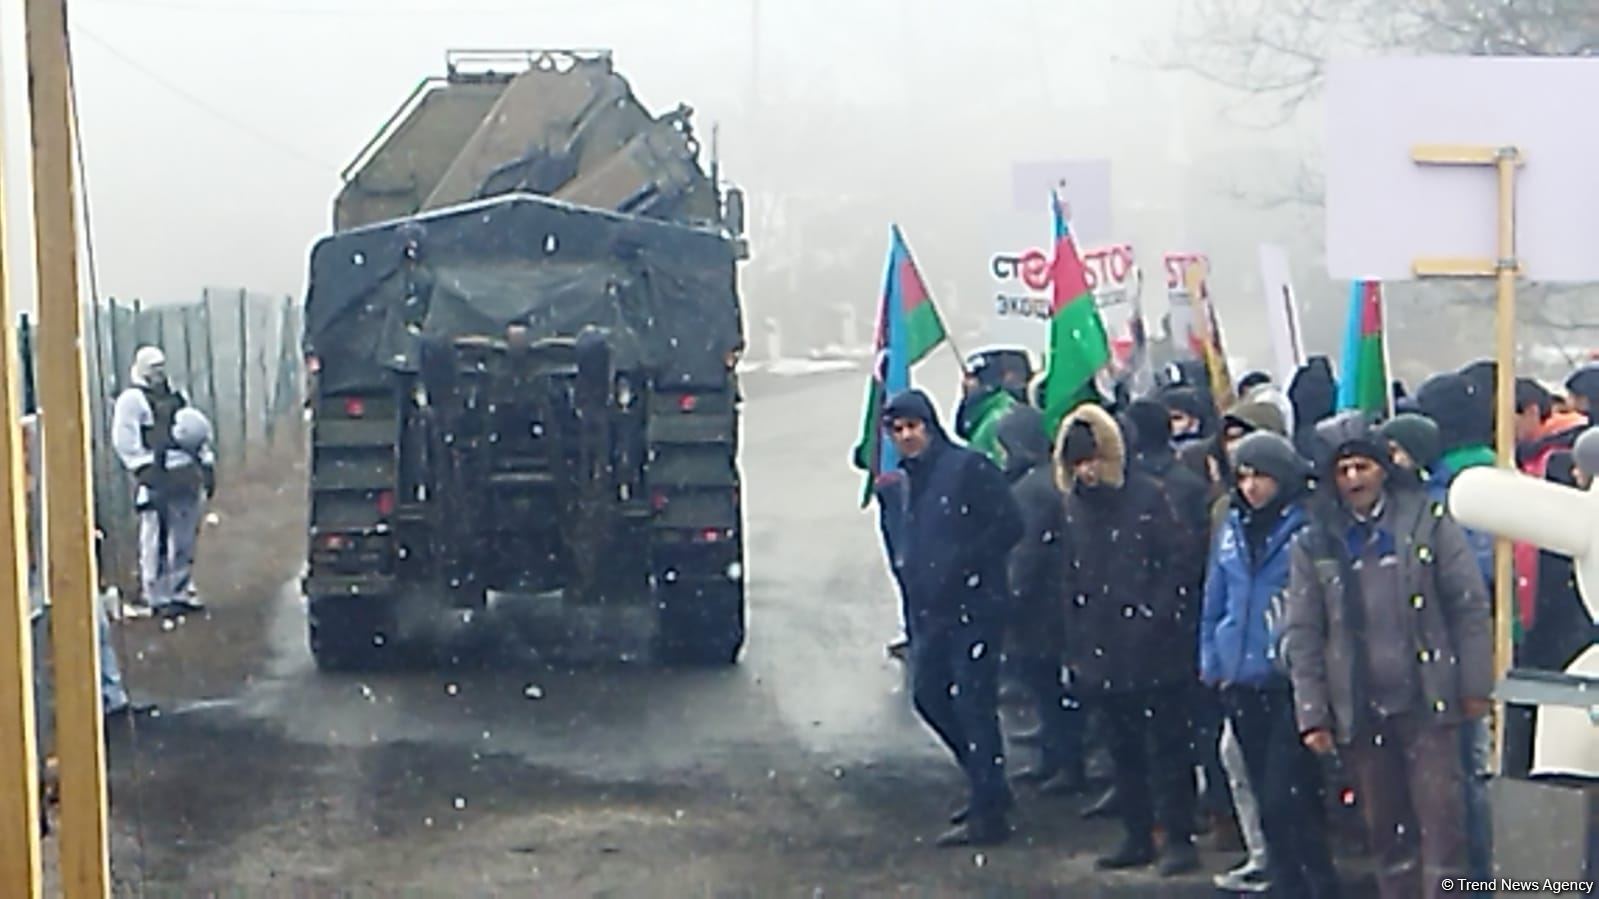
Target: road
x,y
801,771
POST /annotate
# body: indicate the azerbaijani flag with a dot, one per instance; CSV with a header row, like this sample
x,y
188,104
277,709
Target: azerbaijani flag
x,y
908,328
1363,375
1078,346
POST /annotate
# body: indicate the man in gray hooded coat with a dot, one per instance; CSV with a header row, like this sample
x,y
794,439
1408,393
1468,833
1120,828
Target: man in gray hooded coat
x,y
1388,644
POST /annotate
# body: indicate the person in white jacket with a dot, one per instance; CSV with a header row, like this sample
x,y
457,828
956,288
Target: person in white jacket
x,y
166,445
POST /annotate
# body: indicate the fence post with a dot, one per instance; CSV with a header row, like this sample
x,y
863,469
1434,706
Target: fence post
x,y
118,369
211,372
188,359
118,494
244,377
263,383
102,459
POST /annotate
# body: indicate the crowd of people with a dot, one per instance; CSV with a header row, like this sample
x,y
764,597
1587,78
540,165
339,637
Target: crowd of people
x,y
1253,616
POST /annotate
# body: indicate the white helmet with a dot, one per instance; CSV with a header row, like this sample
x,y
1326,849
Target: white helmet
x,y
191,430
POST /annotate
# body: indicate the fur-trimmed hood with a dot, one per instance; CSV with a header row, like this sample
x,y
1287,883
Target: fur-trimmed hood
x,y
1110,449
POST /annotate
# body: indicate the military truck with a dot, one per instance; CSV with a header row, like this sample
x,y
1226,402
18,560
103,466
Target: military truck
x,y
522,341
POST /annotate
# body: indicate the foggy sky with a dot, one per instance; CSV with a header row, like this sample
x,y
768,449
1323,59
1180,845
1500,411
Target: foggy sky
x,y
215,130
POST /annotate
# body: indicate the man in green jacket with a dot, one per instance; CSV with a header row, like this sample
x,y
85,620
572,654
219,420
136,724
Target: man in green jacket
x,y
984,401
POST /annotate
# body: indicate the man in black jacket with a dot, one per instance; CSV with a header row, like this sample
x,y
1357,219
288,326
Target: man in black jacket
x,y
1148,432
1149,436
1130,637
1314,395
1034,640
958,527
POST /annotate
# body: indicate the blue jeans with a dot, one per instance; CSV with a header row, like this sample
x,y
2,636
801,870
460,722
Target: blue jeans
x,y
1476,751
955,685
113,694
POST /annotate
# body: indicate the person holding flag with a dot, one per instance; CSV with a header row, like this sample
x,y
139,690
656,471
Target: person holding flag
x,y
1078,345
908,329
959,524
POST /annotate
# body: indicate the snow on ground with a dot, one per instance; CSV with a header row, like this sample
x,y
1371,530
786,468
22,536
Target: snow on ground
x,y
797,367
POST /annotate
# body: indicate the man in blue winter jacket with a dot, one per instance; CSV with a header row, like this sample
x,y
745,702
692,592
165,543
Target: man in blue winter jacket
x,y
1249,571
950,549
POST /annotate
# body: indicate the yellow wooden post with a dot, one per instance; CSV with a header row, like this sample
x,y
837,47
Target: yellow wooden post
x,y
63,405
19,761
1503,269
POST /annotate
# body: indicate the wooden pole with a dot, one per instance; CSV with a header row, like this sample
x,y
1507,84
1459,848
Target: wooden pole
x,y
19,762
85,870
1503,269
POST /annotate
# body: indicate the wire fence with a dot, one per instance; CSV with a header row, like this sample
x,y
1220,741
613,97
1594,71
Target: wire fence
x,y
234,353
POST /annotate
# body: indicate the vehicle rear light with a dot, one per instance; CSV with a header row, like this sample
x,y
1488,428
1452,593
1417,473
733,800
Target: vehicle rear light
x,y
354,406
313,363
658,500
688,402
1347,796
385,502
333,542
709,535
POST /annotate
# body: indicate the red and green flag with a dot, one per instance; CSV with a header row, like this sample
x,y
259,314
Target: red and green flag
x,y
1078,346
1363,376
908,328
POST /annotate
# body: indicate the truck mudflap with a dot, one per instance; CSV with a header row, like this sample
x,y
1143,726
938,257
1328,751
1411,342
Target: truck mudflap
x,y
698,580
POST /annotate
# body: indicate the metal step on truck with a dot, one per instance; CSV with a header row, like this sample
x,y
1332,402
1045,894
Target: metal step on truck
x,y
522,340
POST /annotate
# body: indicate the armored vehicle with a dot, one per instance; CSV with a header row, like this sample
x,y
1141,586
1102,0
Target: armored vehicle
x,y
522,340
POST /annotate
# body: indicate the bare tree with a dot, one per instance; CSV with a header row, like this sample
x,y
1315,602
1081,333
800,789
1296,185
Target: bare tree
x,y
1274,52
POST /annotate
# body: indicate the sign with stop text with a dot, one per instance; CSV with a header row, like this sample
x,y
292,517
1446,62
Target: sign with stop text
x,y
1184,330
1024,287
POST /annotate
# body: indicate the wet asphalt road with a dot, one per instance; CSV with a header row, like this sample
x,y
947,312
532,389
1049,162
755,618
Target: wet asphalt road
x,y
800,772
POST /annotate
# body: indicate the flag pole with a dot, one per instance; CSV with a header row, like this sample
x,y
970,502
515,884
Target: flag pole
x,y
1387,355
949,335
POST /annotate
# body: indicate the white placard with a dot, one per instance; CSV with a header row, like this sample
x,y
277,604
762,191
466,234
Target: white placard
x,y
1086,191
1282,313
1384,211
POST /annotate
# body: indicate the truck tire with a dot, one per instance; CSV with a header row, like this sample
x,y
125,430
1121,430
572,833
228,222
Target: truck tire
x,y
351,633
701,627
